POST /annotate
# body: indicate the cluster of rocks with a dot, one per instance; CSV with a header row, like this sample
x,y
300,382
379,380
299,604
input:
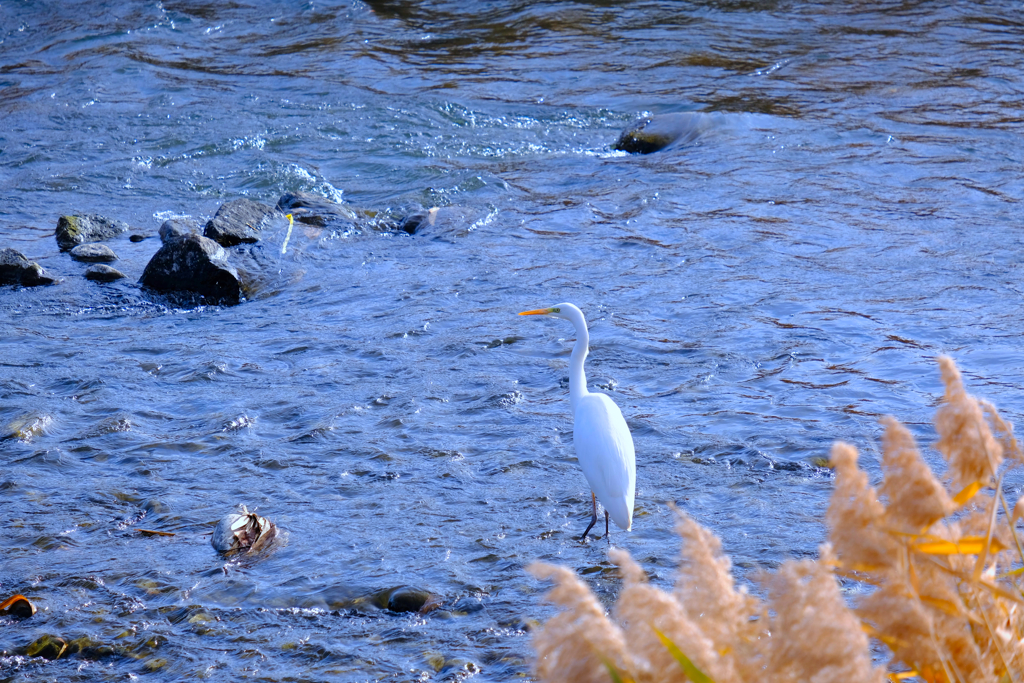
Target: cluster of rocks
x,y
201,260
200,263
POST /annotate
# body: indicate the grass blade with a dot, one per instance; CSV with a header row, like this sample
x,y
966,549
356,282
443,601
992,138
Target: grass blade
x,y
691,671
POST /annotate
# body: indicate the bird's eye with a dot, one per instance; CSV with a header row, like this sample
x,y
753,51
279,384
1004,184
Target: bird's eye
x,y
556,310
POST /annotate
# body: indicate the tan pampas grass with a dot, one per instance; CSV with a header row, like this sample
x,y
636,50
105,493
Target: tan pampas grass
x,y
942,565
580,643
966,440
815,637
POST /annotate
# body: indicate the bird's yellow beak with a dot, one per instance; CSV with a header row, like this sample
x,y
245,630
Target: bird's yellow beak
x,y
540,311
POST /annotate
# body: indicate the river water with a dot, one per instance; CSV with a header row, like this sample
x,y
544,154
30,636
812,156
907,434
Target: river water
x,y
853,212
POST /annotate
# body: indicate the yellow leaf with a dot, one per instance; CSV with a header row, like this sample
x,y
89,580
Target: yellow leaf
x,y
967,493
968,545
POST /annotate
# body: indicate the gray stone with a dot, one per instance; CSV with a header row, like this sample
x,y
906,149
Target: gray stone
x,y
238,222
176,227
93,253
103,273
15,269
74,230
192,263
657,132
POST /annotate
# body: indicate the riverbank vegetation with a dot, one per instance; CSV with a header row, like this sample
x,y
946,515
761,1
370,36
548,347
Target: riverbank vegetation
x,y
921,580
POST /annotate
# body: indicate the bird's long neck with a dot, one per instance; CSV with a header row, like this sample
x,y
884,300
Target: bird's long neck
x,y
577,375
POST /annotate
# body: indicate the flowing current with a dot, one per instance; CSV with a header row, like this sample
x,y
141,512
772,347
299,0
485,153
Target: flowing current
x,y
852,212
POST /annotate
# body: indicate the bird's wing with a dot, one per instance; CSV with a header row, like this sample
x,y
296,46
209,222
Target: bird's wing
x,y
604,448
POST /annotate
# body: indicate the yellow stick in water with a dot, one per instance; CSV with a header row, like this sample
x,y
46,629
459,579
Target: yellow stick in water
x,y
291,223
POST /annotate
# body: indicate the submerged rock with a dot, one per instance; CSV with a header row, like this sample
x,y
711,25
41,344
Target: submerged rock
x,y
243,531
74,230
657,132
239,221
93,253
406,599
314,209
193,263
176,227
47,647
15,269
103,273
452,221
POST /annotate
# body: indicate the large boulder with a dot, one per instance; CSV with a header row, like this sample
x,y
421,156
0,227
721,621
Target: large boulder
x,y
192,263
657,132
239,221
74,230
15,269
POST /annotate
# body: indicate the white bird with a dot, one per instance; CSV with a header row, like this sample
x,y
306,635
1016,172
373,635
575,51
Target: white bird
x,y
604,446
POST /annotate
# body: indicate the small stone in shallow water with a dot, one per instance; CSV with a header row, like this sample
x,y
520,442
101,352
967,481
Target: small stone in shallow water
x,y
93,253
136,238
103,273
15,269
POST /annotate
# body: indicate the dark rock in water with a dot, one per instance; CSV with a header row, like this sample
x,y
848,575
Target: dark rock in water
x,y
102,273
239,221
47,647
93,253
416,221
307,208
136,238
15,269
408,599
174,228
193,264
662,130
74,230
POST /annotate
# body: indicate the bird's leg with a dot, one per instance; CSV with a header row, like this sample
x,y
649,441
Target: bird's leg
x,y
606,524
593,518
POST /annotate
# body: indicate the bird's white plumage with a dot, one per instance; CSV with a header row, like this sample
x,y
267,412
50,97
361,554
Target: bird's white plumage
x,y
604,449
604,446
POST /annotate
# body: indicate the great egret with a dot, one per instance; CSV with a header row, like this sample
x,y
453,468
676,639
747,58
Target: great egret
x,y
604,445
